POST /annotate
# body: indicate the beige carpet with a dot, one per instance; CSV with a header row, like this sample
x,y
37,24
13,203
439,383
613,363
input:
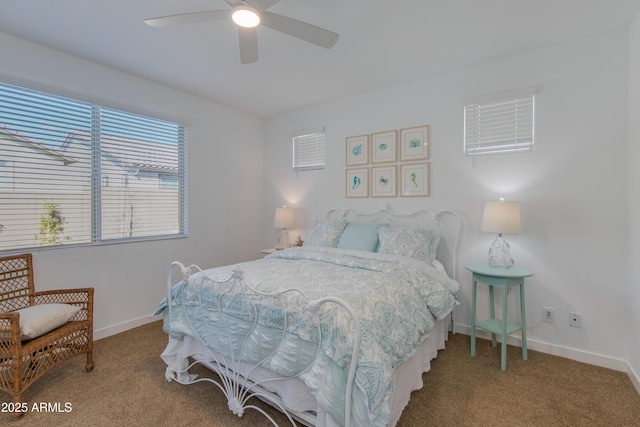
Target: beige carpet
x,y
127,388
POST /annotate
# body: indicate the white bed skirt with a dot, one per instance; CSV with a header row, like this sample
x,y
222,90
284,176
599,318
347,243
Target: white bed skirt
x,y
293,392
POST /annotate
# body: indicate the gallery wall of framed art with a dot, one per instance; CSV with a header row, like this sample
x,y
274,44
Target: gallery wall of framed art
x,y
388,164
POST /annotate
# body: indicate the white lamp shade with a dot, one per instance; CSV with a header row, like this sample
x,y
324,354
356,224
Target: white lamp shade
x,y
501,217
284,218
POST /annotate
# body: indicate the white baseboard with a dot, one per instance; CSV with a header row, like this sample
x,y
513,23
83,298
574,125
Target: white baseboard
x,y
566,352
635,379
557,350
124,326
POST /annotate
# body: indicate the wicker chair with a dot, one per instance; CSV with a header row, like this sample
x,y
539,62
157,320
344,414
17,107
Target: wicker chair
x,y
22,362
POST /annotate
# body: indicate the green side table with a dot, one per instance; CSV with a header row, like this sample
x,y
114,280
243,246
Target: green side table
x,y
503,278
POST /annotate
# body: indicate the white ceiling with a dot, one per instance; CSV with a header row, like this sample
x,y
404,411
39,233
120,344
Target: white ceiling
x,y
381,42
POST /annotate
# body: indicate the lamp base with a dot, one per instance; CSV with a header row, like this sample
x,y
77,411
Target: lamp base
x,y
500,253
283,241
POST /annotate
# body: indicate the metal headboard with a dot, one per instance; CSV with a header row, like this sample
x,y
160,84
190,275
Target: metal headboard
x,y
446,222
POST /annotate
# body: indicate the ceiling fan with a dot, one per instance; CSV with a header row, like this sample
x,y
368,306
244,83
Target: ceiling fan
x,y
248,14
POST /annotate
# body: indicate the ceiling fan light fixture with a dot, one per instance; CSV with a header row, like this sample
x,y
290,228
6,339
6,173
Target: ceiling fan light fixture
x,y
245,16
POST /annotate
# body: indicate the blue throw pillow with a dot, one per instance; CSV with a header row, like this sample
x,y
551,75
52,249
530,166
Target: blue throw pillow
x,y
363,237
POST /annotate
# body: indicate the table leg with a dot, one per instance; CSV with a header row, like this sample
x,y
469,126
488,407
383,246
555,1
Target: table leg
x,y
503,352
473,318
493,313
523,323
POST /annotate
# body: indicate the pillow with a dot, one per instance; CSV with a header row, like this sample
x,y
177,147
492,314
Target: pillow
x,y
39,319
325,233
363,237
416,243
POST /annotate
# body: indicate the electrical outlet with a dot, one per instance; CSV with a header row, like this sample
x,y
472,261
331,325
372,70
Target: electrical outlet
x,y
575,320
547,314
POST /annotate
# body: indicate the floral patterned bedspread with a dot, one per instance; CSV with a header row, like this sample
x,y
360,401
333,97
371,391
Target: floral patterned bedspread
x,y
396,298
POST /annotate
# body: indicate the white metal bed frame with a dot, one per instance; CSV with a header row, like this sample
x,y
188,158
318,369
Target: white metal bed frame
x,y
236,377
237,387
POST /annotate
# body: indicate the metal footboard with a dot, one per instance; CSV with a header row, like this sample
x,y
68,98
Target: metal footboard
x,y
238,306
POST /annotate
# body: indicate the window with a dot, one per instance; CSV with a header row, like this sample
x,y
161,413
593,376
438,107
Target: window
x,y
308,150
503,123
168,182
6,175
85,173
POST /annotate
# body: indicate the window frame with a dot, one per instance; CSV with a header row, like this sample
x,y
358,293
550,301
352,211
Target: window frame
x,y
96,234
500,123
312,145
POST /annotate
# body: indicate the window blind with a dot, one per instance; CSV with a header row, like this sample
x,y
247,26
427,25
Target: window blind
x,y
73,172
501,123
308,150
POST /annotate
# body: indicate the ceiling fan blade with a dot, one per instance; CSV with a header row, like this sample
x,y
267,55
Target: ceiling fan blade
x,y
302,30
188,18
248,45
262,4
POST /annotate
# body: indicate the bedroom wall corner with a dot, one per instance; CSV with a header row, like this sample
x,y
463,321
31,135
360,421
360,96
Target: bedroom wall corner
x,y
634,203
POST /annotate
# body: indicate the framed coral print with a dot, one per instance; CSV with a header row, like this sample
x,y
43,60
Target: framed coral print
x,y
414,179
357,150
383,181
383,147
414,143
357,182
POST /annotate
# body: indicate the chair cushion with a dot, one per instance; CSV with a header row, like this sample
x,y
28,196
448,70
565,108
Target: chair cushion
x,y
39,319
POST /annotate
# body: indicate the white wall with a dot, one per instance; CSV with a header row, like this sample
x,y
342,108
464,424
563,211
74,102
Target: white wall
x,y
634,202
572,189
225,199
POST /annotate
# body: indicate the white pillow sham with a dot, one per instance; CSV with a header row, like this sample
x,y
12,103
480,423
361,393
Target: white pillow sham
x,y
39,319
415,243
325,233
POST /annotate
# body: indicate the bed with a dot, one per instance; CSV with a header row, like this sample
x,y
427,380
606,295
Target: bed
x,y
334,333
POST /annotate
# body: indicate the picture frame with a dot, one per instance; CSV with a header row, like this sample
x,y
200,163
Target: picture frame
x,y
384,147
357,182
357,150
414,143
414,180
384,181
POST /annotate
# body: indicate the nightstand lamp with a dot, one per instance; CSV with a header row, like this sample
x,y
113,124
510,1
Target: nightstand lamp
x,y
284,219
502,218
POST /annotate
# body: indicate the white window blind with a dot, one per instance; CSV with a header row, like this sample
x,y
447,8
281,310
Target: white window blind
x,y
501,123
83,173
308,149
6,175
